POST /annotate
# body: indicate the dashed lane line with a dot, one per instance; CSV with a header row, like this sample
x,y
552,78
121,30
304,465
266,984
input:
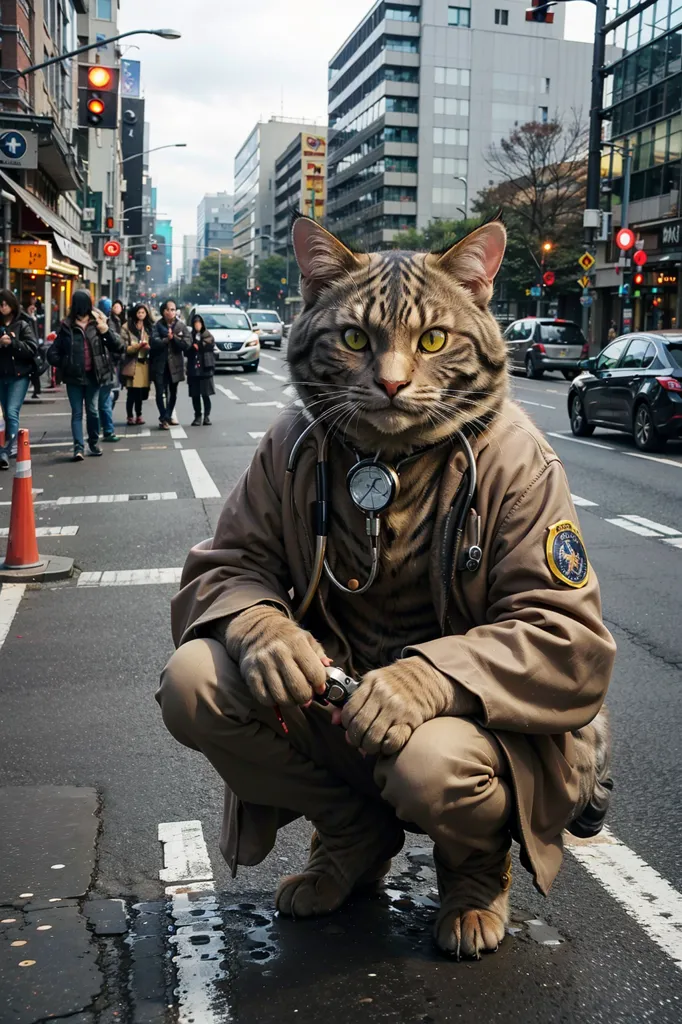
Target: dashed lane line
x,y
646,896
271,373
198,935
230,394
48,531
199,477
540,405
668,531
579,440
625,524
129,577
250,385
177,432
654,458
266,355
261,405
583,502
10,599
647,528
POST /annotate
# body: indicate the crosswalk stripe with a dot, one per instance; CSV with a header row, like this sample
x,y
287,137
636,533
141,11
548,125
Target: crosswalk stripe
x,y
230,394
659,527
583,502
177,432
625,524
48,531
129,577
102,499
185,855
199,477
10,599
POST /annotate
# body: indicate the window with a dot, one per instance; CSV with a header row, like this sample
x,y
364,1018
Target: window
x,y
449,165
402,105
402,13
404,43
501,16
611,354
639,355
447,196
544,85
544,115
460,17
452,76
104,10
450,137
401,164
450,107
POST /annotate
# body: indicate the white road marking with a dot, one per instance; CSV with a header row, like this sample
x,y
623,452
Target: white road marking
x,y
177,444
199,477
198,937
230,394
579,440
583,502
178,432
249,384
290,391
45,414
48,531
654,458
51,444
625,524
10,599
675,542
129,577
266,355
522,401
185,855
667,530
260,405
103,499
646,896
146,432
264,369
255,434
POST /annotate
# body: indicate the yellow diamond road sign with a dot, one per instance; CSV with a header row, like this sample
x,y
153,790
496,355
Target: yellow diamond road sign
x,y
586,261
583,281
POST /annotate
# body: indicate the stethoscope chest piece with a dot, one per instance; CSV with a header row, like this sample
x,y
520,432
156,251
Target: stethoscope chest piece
x,y
373,486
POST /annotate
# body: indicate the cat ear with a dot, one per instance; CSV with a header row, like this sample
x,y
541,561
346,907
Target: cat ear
x,y
476,259
321,257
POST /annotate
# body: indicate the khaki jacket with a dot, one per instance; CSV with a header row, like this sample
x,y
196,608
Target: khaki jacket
x,y
531,648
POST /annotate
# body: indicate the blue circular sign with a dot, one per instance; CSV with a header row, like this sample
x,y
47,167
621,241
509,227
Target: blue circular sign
x,y
13,144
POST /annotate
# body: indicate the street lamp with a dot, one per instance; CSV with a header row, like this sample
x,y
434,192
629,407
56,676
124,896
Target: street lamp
x,y
164,33
168,145
466,193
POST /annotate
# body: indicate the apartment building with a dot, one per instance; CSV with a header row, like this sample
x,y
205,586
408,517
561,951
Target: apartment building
x,y
215,223
643,123
418,94
300,183
254,185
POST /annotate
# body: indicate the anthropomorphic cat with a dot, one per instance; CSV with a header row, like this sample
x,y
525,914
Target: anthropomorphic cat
x,y
478,717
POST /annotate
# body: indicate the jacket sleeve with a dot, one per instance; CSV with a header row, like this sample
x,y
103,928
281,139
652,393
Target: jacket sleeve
x,y
245,563
112,341
208,341
156,342
542,662
55,352
24,342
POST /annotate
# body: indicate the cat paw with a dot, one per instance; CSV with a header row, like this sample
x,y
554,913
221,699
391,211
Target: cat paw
x,y
469,932
309,895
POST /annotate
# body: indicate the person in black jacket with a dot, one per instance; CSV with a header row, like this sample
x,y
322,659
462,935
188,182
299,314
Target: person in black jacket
x,y
80,351
18,348
200,370
169,341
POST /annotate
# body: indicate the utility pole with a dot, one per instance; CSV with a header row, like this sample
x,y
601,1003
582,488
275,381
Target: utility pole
x,y
7,200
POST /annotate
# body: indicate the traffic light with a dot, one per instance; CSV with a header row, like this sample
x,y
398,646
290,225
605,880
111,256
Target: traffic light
x,y
639,258
97,96
546,246
155,246
109,218
638,278
223,276
540,12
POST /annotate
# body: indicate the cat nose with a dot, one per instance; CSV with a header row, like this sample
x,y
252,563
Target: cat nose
x,y
392,387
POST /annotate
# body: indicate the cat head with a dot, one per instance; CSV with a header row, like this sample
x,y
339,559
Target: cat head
x,y
397,349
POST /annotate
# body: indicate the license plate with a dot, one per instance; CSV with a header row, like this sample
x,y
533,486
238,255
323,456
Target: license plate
x,y
562,353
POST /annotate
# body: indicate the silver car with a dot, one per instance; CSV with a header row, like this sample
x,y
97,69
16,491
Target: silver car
x,y
537,344
236,341
268,326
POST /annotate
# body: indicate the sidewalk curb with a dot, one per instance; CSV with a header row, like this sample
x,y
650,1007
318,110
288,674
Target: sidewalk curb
x,y
52,567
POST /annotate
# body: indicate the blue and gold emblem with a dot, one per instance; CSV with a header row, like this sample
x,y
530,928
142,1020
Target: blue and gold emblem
x,y
566,555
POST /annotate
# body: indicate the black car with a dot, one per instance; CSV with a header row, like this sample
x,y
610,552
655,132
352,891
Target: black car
x,y
635,385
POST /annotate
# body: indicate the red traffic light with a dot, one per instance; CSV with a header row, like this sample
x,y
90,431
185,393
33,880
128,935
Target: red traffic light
x,y
99,77
95,106
155,246
549,277
112,248
639,258
625,238
638,279
223,276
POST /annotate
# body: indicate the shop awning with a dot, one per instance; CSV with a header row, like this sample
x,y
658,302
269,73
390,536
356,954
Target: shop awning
x,y
74,252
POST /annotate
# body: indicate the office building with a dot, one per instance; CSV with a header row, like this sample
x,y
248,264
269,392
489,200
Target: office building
x,y
190,258
300,182
254,185
643,102
420,91
215,223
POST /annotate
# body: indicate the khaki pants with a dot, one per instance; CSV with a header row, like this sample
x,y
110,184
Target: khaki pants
x,y
449,779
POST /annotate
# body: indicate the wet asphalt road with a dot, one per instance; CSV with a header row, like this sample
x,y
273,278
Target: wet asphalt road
x,y
77,675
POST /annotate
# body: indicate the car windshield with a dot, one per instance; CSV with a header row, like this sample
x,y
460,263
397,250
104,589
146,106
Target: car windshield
x,y
561,334
674,349
226,321
264,318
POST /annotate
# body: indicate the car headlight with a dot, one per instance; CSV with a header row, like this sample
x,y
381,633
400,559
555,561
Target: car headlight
x,y
252,344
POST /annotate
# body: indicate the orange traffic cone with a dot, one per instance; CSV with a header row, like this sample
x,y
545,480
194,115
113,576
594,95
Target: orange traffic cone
x,y
22,546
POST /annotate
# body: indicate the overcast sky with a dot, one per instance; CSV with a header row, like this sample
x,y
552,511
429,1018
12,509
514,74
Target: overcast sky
x,y
237,61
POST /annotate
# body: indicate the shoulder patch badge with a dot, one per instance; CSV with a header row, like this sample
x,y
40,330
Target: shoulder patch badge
x,y
566,554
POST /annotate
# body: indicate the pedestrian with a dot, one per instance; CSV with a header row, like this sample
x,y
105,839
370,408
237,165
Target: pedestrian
x,y
110,387
39,364
135,335
613,333
169,342
79,351
117,315
200,370
18,349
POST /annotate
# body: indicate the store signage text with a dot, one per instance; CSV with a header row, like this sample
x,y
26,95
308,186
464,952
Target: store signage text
x,y
29,256
671,235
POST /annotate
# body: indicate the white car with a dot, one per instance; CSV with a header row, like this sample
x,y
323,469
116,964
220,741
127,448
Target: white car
x,y
269,326
236,342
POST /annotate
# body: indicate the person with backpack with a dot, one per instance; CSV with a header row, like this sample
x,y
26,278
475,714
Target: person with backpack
x,y
200,371
80,351
18,350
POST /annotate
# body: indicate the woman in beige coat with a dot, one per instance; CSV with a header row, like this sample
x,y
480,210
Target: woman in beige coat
x,y
135,371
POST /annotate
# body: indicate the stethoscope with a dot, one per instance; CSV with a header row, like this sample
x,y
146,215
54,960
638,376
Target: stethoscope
x,y
373,486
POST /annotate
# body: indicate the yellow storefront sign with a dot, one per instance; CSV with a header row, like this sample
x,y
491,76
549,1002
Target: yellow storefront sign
x,y
29,255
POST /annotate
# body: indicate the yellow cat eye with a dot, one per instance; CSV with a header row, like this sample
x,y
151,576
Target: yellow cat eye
x,y
355,339
432,341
